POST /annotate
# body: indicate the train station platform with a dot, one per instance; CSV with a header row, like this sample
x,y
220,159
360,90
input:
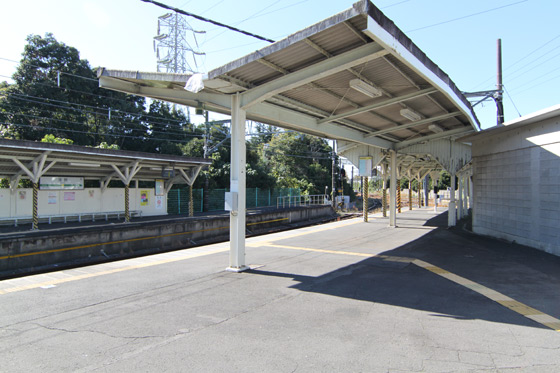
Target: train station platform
x,y
344,296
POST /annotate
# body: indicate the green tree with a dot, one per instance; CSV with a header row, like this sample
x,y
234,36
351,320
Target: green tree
x,y
56,140
300,161
167,128
56,92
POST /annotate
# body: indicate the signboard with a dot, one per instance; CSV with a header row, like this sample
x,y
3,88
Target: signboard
x,y
365,165
60,183
167,174
159,188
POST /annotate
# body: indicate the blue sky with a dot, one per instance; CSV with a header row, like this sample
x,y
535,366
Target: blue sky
x,y
459,36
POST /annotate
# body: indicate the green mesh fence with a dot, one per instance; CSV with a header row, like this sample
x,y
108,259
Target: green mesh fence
x,y
178,199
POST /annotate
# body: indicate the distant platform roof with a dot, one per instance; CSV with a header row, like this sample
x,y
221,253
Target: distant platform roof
x,y
354,76
91,163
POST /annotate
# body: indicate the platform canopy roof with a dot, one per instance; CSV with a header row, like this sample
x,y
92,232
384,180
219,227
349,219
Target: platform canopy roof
x,y
32,160
354,77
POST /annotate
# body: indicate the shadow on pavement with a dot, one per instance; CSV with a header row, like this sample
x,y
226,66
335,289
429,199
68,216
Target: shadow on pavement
x,y
527,275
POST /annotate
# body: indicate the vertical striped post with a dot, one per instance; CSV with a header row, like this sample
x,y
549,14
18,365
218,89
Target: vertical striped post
x,y
191,207
410,194
399,209
419,193
126,204
365,195
384,202
35,225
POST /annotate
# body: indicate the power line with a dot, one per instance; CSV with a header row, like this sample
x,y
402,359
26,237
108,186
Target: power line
x,y
106,110
161,5
521,59
143,130
87,132
467,16
515,106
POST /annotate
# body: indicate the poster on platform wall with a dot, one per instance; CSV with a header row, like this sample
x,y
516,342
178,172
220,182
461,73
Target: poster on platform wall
x,y
144,197
52,198
159,202
69,196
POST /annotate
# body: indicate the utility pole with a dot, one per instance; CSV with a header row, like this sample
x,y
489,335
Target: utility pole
x,y
206,190
499,88
496,94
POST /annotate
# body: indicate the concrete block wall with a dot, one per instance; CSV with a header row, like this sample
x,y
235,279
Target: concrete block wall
x,y
516,177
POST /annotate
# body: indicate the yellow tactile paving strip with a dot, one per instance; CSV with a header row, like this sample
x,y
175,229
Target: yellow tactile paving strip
x,y
518,307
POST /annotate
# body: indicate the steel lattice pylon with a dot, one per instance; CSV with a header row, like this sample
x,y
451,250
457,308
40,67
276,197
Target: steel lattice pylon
x,y
175,54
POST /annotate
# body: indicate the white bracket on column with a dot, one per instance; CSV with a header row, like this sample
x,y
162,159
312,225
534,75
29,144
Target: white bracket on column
x,y
190,179
129,171
105,183
38,166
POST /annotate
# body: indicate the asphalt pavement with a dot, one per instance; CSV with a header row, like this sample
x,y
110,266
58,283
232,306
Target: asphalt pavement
x,y
346,296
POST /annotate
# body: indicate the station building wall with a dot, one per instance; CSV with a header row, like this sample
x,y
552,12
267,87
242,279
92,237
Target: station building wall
x,y
88,200
516,177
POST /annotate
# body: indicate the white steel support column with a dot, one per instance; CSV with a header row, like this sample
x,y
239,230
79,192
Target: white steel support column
x,y
393,191
471,192
237,187
451,212
460,195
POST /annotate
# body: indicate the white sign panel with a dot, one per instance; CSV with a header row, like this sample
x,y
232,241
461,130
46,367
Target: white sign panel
x,y
58,183
365,166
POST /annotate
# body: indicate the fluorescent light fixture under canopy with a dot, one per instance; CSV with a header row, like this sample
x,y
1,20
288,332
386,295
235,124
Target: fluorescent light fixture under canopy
x,y
365,88
411,114
435,128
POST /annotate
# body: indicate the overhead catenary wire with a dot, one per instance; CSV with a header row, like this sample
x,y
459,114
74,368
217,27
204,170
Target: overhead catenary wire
x,y
521,59
513,103
463,17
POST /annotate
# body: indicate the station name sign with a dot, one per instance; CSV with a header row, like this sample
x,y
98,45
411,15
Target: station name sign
x,y
61,183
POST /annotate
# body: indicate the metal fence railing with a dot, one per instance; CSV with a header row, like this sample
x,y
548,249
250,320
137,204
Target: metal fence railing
x,y
302,200
178,199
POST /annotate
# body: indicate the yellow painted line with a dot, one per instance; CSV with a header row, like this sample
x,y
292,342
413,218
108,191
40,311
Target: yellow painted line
x,y
320,250
70,278
518,307
306,231
129,240
269,221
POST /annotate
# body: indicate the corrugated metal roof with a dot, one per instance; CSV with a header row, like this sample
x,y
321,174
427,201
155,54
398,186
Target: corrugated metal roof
x,y
90,163
359,43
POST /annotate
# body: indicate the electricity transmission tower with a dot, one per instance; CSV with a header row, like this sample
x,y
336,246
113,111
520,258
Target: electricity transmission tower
x,y
174,52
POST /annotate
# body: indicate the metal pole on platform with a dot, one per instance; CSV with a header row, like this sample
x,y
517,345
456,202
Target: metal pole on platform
x,y
393,191
237,187
451,212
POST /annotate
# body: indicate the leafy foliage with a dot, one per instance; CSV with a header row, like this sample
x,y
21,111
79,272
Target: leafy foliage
x,y
55,98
